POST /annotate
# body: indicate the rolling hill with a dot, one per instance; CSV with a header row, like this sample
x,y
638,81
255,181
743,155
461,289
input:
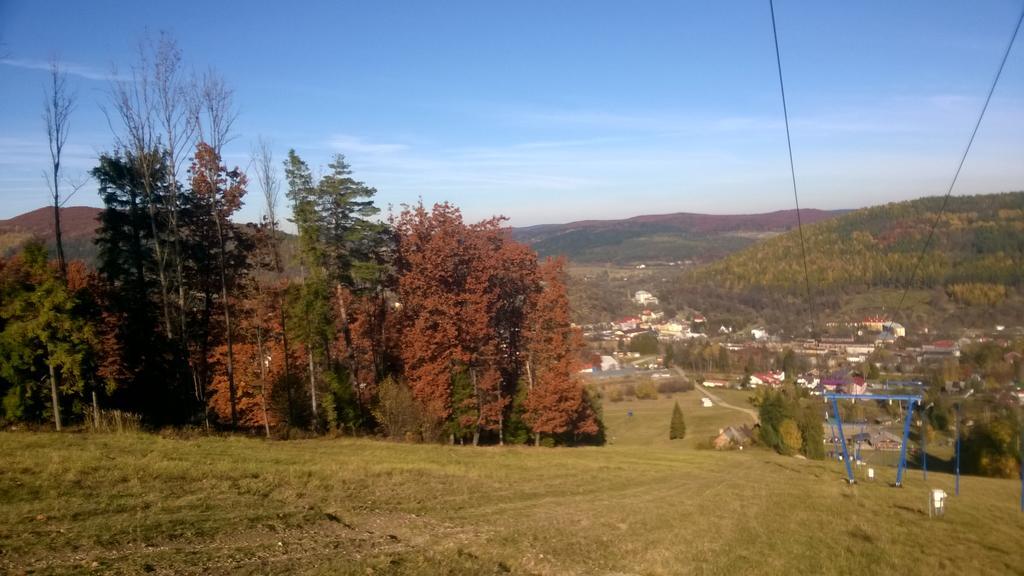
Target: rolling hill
x,y
662,237
78,225
648,238
972,274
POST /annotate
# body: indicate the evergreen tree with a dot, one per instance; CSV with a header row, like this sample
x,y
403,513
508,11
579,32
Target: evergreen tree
x,y
677,429
43,338
339,250
139,361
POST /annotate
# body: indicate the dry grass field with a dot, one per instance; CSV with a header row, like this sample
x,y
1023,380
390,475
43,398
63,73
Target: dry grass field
x,y
141,503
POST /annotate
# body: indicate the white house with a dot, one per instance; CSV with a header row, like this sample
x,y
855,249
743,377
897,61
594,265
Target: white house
x,y
643,298
895,328
706,402
650,316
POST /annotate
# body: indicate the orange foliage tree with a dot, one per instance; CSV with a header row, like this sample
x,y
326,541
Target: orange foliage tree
x,y
556,402
473,309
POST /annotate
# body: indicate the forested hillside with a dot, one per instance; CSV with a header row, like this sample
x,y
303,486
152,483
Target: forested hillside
x,y
661,237
974,269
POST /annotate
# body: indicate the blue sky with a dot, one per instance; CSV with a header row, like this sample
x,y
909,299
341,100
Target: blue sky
x,y
559,111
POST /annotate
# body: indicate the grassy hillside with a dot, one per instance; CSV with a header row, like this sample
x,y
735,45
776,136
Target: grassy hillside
x,y
973,272
78,503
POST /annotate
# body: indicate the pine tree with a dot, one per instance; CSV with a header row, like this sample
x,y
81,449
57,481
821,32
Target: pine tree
x,y
677,430
137,358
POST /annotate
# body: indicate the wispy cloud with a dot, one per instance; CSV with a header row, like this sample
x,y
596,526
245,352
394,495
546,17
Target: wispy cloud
x,y
891,114
74,69
348,144
25,152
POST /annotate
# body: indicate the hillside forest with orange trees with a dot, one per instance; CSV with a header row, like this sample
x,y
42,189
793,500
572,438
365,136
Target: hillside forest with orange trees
x,y
972,272
421,326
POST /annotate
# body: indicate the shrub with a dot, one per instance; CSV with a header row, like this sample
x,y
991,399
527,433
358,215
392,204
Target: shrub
x,y
397,410
789,436
646,343
812,434
990,449
615,394
673,385
790,425
646,391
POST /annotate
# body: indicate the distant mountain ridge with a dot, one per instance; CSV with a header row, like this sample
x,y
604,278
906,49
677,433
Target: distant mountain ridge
x,y
644,238
662,237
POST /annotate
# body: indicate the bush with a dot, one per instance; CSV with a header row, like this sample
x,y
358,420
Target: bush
x,y
646,391
789,436
646,343
340,407
673,385
990,449
812,434
397,410
790,425
615,394
516,429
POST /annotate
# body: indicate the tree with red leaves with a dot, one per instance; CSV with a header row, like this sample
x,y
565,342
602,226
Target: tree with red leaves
x,y
431,273
475,315
220,192
556,402
447,290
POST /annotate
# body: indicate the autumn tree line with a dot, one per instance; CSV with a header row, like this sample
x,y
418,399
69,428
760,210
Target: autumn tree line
x,y
970,274
420,326
977,247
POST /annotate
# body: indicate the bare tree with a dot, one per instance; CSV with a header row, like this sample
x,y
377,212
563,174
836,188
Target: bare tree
x,y
133,103
57,108
215,115
175,108
270,185
215,111
266,175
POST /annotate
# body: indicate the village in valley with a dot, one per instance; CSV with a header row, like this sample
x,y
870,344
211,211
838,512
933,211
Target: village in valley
x,y
657,350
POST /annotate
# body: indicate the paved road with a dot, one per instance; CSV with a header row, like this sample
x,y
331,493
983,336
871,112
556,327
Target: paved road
x,y
748,411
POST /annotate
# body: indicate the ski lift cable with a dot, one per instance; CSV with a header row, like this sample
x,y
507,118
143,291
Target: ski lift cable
x,y
792,170
963,158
